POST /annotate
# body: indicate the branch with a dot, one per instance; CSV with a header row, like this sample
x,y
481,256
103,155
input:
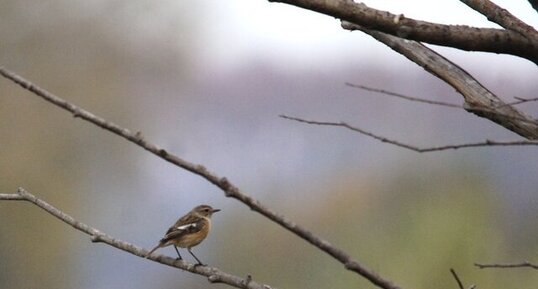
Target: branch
x,y
411,98
214,275
502,17
460,284
12,197
519,100
478,99
456,36
229,189
524,264
487,143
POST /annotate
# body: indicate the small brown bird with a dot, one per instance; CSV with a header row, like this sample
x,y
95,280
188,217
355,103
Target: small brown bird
x,y
189,231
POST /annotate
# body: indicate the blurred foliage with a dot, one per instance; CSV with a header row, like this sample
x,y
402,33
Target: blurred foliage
x,y
113,57
91,54
411,228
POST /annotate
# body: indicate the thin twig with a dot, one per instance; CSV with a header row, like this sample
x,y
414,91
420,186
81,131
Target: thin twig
x,y
213,274
411,98
460,284
12,197
412,147
521,100
446,104
229,189
524,264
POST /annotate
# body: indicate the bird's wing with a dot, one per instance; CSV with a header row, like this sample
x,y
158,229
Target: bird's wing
x,y
177,230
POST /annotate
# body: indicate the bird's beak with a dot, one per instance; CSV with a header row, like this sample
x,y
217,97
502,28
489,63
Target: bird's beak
x,y
215,210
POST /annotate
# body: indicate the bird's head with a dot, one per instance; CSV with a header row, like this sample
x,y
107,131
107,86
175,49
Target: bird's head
x,y
204,211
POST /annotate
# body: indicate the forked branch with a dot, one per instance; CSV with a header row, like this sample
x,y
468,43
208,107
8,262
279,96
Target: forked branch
x,y
478,99
487,143
456,36
229,189
214,275
404,35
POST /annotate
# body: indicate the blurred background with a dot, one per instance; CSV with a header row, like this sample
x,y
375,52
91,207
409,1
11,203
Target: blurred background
x,y
207,80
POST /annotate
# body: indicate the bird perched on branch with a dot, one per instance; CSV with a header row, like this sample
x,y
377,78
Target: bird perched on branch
x,y
189,231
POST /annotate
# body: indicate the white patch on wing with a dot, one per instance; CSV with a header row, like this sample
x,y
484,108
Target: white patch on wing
x,y
187,226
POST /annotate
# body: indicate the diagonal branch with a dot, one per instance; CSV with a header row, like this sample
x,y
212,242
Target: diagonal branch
x,y
519,100
478,99
456,36
406,97
229,189
458,280
214,275
412,147
502,17
383,26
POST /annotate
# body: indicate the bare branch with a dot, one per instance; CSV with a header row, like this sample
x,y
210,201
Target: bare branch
x,y
213,274
502,17
457,36
460,284
446,104
12,197
229,189
411,98
487,143
524,264
478,99
521,100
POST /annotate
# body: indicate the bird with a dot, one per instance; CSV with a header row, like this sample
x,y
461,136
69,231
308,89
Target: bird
x,y
189,231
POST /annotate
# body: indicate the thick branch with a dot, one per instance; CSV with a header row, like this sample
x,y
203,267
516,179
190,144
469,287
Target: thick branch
x,y
229,189
214,275
456,36
487,143
478,99
502,17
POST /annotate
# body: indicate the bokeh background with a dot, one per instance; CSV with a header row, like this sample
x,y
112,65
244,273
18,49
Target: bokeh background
x,y
207,81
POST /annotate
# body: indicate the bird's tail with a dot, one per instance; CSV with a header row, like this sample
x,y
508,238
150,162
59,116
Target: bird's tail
x,y
153,250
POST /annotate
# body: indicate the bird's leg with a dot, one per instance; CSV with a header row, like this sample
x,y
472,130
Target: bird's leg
x,y
199,262
178,255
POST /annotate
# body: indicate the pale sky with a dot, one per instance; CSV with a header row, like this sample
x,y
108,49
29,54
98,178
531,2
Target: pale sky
x,y
247,28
